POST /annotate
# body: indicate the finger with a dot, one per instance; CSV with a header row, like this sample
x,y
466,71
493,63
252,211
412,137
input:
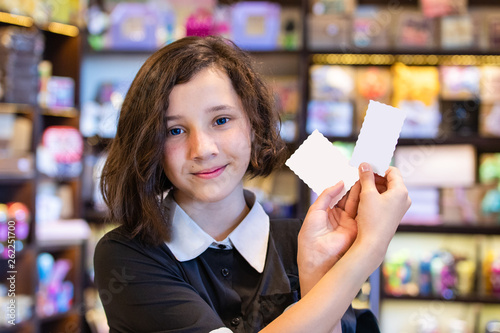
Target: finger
x,y
351,206
331,193
394,178
366,177
341,203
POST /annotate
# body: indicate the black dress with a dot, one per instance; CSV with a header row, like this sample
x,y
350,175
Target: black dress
x,y
145,288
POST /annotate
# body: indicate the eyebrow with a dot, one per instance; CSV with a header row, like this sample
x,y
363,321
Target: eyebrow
x,y
215,108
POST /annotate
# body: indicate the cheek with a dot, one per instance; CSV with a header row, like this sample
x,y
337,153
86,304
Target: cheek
x,y
243,144
171,159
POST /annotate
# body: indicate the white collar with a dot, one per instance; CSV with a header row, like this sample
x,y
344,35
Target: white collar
x,y
250,237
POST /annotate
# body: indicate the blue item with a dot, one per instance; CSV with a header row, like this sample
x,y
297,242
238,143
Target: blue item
x,y
256,25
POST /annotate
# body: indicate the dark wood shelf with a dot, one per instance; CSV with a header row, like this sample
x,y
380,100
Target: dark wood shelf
x,y
16,108
485,144
58,316
94,216
400,51
487,299
24,326
6,179
60,112
139,52
451,229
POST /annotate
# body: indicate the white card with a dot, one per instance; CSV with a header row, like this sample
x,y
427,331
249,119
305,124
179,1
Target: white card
x,y
321,165
378,137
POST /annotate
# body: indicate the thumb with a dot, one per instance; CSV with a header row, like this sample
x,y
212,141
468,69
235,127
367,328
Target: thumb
x,y
366,177
328,195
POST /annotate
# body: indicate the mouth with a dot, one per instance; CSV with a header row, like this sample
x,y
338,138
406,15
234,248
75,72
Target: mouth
x,y
210,173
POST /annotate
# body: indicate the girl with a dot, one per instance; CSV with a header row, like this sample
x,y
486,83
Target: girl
x,y
205,257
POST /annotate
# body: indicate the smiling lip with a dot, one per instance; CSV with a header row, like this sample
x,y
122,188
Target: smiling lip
x,y
210,173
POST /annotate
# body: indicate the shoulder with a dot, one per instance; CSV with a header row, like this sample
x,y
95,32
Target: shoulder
x,y
119,248
285,228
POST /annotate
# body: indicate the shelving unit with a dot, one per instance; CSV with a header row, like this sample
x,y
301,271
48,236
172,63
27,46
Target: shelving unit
x,y
64,53
63,50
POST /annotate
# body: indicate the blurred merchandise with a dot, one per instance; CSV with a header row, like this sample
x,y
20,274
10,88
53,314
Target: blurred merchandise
x,y
21,50
459,82
55,293
416,90
291,29
462,205
489,119
460,118
330,118
429,165
53,202
23,308
91,191
331,83
327,7
422,121
457,32
424,209
276,193
148,25
491,272
372,83
494,31
440,273
63,231
15,220
60,93
328,32
370,28
131,26
100,117
493,326
437,8
60,153
490,84
256,25
414,30
287,101
489,173
15,144
415,83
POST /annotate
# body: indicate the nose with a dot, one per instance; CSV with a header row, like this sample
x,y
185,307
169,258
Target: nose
x,y
202,145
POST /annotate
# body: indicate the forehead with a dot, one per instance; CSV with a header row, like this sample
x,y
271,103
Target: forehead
x,y
208,88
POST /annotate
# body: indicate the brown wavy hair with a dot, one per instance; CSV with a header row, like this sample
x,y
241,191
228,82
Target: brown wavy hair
x,y
133,180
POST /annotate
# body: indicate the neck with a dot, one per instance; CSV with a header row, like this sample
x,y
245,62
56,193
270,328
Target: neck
x,y
218,219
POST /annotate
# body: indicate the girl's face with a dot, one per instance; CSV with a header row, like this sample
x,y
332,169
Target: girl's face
x,y
208,145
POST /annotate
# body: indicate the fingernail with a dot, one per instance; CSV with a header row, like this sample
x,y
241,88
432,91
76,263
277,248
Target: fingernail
x,y
364,167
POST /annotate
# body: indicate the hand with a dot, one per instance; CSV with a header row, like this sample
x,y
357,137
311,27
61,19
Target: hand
x,y
326,234
379,214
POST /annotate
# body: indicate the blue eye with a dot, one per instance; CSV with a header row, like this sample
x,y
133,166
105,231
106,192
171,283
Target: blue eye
x,y
222,121
175,131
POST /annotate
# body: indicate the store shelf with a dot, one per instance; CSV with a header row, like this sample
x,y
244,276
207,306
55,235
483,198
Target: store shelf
x,y
61,112
349,56
451,229
463,299
24,326
485,144
15,179
16,108
58,316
